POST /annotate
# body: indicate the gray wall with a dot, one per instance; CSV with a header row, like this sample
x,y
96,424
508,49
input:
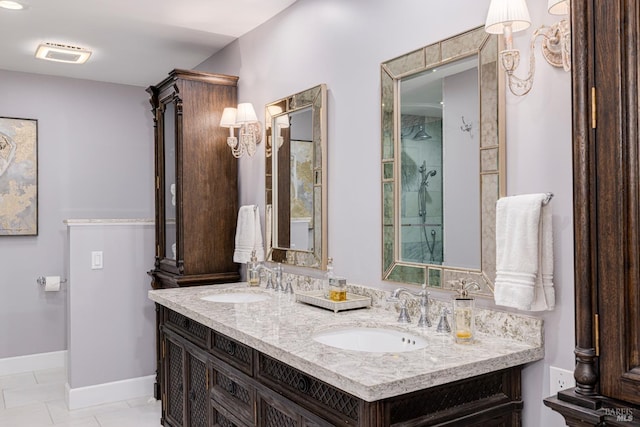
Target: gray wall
x,y
461,166
342,43
111,320
95,146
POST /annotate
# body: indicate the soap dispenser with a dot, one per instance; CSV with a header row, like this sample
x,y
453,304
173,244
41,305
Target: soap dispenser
x,y
328,278
464,325
253,275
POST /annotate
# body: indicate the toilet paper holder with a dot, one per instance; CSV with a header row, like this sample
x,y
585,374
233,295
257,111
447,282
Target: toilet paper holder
x,y
43,280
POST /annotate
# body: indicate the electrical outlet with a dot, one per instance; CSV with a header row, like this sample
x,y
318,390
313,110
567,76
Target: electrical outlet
x,y
560,379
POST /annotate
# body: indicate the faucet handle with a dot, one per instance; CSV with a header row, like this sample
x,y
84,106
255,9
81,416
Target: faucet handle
x,y
269,282
289,288
404,313
443,324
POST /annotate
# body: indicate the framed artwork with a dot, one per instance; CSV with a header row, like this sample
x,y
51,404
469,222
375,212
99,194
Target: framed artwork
x,y
18,177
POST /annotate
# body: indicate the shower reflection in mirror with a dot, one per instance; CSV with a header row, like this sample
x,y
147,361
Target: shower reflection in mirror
x,y
421,197
434,145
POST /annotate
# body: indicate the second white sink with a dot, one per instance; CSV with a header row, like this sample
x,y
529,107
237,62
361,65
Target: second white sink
x,y
372,340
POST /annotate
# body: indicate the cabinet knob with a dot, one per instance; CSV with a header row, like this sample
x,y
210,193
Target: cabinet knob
x,y
303,384
233,389
231,348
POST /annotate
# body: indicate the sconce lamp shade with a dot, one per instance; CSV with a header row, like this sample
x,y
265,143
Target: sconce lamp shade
x,y
504,13
246,113
274,110
558,7
282,121
228,118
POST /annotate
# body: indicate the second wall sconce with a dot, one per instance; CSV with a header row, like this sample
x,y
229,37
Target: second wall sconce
x,y
250,132
281,122
509,16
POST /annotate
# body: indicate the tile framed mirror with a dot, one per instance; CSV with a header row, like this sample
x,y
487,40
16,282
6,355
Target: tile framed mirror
x,y
296,179
443,161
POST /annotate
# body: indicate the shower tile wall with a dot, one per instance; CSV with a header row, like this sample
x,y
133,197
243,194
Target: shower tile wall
x,y
414,153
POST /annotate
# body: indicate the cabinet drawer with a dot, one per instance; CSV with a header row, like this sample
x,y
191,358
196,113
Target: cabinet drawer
x,y
277,411
231,351
335,405
230,389
221,417
187,327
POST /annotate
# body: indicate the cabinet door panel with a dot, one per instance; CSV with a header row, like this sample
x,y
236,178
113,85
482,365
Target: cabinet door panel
x,y
618,198
174,385
171,195
198,391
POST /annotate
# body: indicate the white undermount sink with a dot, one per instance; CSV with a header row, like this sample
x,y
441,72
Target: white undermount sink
x,y
372,340
236,297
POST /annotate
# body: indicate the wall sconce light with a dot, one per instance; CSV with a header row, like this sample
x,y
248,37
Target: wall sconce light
x,y
250,132
280,122
509,16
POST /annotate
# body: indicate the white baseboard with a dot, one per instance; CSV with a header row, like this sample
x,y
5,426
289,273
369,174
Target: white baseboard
x,y
82,397
33,362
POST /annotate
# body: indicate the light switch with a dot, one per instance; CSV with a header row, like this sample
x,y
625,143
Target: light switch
x,y
96,260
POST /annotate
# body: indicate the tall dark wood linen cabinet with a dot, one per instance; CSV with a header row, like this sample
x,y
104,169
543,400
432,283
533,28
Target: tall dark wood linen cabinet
x,y
196,186
606,173
196,180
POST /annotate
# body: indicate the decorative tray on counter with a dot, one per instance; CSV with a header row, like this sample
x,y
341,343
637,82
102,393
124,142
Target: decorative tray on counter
x,y
317,298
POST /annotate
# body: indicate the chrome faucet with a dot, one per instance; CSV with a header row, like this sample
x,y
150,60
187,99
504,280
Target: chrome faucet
x,y
276,271
404,314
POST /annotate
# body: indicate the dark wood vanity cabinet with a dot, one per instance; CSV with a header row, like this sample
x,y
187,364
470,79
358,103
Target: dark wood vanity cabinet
x,y
196,182
242,387
606,148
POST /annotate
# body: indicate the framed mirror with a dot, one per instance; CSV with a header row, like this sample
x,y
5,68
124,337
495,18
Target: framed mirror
x,y
296,179
443,161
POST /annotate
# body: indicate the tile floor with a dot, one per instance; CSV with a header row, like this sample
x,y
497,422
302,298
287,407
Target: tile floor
x,y
36,399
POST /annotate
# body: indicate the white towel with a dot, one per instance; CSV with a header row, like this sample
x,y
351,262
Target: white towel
x,y
248,235
524,253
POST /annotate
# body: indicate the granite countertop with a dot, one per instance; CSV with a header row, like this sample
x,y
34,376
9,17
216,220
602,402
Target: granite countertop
x,y
282,328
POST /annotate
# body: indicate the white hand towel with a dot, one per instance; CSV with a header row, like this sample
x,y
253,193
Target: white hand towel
x,y
248,235
524,253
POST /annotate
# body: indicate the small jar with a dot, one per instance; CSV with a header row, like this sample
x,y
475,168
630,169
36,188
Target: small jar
x,y
464,324
337,289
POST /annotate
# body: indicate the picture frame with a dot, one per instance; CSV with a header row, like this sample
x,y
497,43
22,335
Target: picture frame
x,y
18,177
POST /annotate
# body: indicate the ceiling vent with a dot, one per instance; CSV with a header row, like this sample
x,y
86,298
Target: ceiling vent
x,y
62,53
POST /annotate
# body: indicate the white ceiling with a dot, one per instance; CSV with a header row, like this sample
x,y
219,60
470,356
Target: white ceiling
x,y
135,42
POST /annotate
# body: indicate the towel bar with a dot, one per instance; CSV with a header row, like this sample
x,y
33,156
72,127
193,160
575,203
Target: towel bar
x,y
548,198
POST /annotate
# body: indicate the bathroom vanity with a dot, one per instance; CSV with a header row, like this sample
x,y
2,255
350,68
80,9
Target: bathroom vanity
x,y
257,364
